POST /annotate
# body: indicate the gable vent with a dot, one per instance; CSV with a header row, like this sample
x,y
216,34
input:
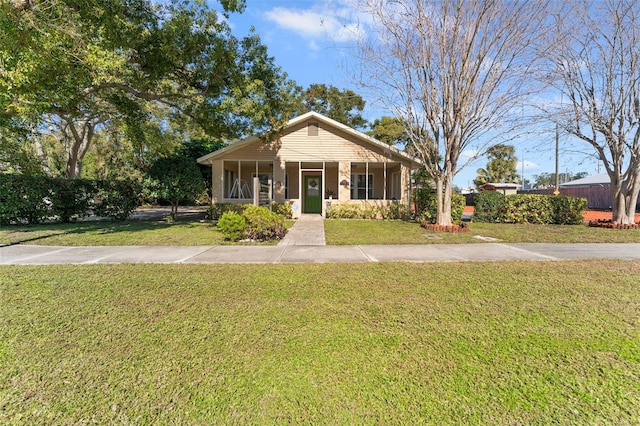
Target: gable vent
x,y
312,129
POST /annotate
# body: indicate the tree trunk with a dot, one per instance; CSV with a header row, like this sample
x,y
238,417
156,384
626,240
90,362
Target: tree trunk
x,y
443,191
624,199
80,141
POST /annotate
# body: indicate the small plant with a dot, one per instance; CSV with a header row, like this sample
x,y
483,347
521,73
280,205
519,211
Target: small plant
x,y
232,225
263,224
283,209
215,211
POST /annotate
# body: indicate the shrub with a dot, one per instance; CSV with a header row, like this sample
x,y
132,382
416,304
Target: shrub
x,y
215,211
34,199
24,199
525,208
529,208
345,211
263,224
71,198
283,209
232,225
568,210
117,198
487,206
395,211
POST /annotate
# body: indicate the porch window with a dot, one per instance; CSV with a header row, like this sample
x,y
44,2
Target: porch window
x,y
361,186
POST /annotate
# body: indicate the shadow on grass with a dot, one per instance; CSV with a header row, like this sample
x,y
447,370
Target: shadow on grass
x,y
22,234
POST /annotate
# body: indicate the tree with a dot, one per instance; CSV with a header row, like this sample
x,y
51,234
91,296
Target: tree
x,y
390,130
595,65
501,166
197,148
548,180
117,60
344,106
174,178
453,70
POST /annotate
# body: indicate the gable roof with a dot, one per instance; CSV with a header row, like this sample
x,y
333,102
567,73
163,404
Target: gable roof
x,y
601,179
207,159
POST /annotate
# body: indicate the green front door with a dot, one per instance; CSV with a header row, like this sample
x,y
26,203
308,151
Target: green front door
x,y
312,194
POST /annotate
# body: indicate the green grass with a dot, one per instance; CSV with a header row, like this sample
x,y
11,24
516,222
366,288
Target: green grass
x,y
355,232
129,233
392,343
337,232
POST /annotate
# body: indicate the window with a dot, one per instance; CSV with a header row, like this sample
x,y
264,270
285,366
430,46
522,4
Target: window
x,y
361,186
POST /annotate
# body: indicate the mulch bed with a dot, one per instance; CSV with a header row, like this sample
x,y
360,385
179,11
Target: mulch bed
x,y
607,223
462,227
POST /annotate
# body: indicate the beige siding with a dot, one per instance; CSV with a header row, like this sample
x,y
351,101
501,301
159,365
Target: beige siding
x,y
330,145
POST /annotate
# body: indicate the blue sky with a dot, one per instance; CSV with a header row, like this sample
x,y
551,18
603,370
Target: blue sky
x,y
310,41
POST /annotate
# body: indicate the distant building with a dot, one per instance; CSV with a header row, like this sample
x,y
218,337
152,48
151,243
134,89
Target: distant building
x,y
503,188
600,180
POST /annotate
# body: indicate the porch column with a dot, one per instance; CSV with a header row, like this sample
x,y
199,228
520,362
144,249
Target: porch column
x,y
405,185
279,173
384,195
217,181
344,174
366,181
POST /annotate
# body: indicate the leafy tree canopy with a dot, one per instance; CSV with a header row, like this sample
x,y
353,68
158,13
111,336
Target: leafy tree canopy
x,y
390,130
548,180
112,61
344,106
501,166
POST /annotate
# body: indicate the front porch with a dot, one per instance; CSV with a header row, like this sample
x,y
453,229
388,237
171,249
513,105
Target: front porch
x,y
311,186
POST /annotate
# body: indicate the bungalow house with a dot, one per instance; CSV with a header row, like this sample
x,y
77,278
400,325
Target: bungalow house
x,y
313,163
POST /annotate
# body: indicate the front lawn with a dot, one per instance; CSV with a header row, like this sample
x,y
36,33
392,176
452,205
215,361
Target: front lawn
x,y
337,232
391,343
128,233
355,232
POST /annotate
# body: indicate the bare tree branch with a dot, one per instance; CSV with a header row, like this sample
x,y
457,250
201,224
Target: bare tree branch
x,y
455,71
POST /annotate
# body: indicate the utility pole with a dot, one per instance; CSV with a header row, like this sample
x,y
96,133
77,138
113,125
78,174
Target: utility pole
x,y
557,191
522,177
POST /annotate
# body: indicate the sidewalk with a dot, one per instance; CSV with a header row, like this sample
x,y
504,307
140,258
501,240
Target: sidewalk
x,y
305,243
47,255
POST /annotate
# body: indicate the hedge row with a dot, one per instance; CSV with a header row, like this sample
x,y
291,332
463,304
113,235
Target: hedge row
x,y
393,211
215,211
35,199
492,206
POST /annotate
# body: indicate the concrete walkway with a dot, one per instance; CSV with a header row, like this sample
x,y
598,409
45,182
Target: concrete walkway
x,y
46,255
307,231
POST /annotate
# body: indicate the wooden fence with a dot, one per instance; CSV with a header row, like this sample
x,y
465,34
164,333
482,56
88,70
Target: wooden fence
x,y
598,197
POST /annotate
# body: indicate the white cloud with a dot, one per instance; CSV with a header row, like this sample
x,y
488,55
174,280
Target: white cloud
x,y
529,166
306,23
319,23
